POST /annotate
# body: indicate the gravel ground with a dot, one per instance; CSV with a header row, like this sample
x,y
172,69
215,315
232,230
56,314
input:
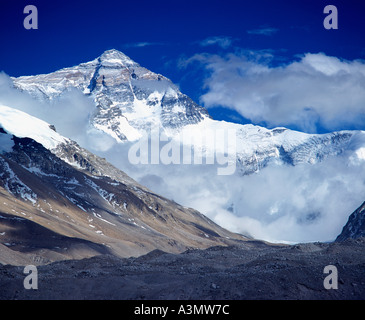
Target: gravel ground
x,y
251,271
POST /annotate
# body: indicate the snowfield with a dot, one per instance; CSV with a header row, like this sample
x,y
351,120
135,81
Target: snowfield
x,y
23,125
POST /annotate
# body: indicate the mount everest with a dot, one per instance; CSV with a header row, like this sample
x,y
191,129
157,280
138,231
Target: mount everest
x,y
287,185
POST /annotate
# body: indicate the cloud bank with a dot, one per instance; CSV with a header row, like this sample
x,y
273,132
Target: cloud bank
x,y
317,92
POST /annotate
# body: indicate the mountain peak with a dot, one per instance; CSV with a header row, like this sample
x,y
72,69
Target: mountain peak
x,y
129,98
114,56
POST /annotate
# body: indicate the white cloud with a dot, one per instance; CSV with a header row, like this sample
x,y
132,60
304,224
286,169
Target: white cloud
x,y
280,203
315,91
142,44
299,203
70,113
221,41
265,31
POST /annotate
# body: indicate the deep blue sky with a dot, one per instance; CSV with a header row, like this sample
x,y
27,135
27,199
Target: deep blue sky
x,y
71,32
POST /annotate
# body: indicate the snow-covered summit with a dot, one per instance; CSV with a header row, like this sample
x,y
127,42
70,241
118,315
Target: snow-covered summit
x,y
110,59
115,57
129,98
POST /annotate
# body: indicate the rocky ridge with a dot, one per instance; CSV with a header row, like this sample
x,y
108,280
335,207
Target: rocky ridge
x,y
355,226
53,210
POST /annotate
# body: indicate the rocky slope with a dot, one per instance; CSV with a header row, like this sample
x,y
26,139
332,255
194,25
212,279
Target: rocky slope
x,y
355,226
52,210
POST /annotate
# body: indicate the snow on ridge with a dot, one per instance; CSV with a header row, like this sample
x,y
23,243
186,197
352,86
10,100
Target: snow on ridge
x,y
14,185
23,125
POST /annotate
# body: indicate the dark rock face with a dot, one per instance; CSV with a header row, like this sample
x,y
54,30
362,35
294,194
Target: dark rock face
x,y
355,226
